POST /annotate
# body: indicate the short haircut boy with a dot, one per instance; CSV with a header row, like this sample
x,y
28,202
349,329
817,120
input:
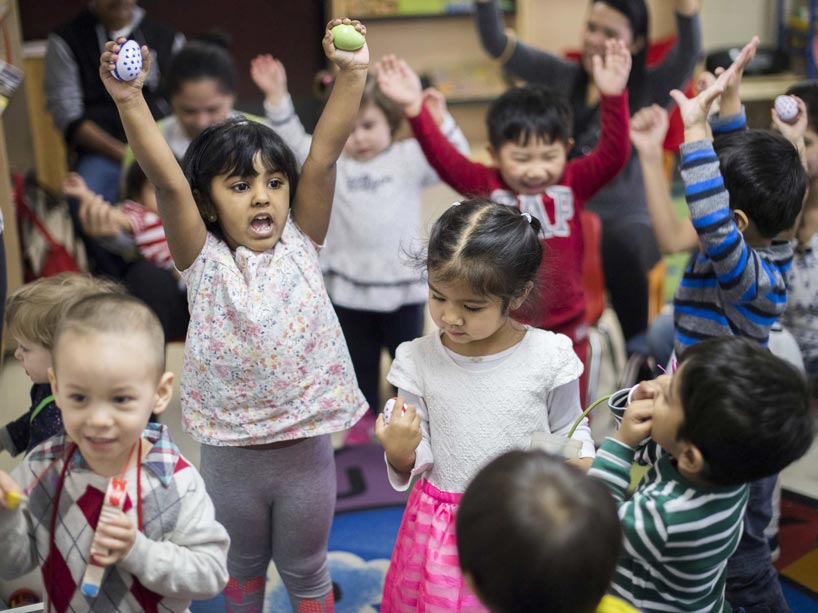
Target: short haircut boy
x,y
745,415
764,176
758,422
535,534
34,311
115,314
530,112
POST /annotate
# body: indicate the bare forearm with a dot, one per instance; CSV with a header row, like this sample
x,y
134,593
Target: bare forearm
x,y
672,234
336,121
90,136
149,146
687,8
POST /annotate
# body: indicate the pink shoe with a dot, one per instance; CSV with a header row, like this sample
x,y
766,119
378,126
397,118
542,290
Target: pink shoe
x,y
362,432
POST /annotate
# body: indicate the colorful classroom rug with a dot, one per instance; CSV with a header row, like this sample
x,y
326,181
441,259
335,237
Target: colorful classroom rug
x,y
369,513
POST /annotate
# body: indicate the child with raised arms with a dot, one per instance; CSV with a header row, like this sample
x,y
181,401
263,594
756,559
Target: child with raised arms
x,y
164,548
530,136
480,385
376,217
266,374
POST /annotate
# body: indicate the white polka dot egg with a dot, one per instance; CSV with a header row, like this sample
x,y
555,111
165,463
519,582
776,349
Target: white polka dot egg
x,y
787,108
129,61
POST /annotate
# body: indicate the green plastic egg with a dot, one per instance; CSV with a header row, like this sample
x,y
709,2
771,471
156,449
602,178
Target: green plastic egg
x,y
346,37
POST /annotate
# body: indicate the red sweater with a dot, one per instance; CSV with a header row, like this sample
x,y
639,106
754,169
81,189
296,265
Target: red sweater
x,y
561,303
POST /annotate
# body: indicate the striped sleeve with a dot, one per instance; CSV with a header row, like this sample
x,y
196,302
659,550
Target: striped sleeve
x,y
736,265
612,466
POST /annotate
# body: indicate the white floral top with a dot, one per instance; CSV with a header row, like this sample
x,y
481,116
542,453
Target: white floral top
x,y
265,359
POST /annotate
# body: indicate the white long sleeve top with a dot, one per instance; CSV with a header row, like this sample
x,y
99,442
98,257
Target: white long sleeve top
x,y
376,217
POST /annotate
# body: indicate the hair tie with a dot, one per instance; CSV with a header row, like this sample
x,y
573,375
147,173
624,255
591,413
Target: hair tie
x,y
527,216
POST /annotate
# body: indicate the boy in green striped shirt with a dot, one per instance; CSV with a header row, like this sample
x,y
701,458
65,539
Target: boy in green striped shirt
x,y
732,413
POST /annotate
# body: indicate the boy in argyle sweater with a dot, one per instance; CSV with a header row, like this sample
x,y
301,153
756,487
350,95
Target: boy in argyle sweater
x,y
165,547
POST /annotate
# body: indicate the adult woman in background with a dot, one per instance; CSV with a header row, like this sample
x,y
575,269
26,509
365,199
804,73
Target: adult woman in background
x,y
629,249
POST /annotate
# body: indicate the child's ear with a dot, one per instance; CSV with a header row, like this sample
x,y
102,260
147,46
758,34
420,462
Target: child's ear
x,y
741,219
569,144
164,392
691,459
637,45
518,300
494,155
206,209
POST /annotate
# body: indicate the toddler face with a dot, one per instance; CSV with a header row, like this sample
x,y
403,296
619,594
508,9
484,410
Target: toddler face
x,y
668,414
469,321
530,168
370,135
35,359
106,389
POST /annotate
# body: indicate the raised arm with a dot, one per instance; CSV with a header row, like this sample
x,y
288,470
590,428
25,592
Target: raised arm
x,y
521,60
680,61
591,172
183,225
316,188
648,130
270,77
402,85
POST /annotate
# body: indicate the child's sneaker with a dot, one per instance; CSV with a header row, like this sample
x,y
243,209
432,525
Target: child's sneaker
x,y
362,432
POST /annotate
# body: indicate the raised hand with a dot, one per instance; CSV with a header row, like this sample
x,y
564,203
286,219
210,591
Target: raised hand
x,y
435,101
346,60
270,77
792,131
648,128
122,91
611,72
400,83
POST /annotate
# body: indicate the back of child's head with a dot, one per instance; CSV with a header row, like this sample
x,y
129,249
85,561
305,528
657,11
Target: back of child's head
x,y
764,177
808,92
115,314
530,112
134,182
746,410
492,248
535,534
230,148
34,311
203,59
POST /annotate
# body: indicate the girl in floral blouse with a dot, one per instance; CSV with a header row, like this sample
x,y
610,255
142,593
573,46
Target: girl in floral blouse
x,y
266,375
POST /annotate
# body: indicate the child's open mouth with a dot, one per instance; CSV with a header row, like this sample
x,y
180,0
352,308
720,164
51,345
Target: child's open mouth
x,y
262,225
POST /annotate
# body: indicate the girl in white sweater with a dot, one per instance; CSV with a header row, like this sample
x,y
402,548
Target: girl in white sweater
x,y
479,386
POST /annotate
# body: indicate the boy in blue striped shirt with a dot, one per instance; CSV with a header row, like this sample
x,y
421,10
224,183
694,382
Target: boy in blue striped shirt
x,y
742,195
731,414
740,202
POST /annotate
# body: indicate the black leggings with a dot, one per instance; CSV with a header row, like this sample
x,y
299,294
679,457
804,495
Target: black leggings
x,y
159,288
367,332
629,251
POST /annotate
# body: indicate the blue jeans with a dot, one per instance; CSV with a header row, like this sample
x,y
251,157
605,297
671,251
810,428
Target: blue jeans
x,y
752,581
101,174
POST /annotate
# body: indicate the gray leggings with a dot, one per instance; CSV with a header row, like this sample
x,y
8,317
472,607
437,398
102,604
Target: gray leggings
x,y
276,504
